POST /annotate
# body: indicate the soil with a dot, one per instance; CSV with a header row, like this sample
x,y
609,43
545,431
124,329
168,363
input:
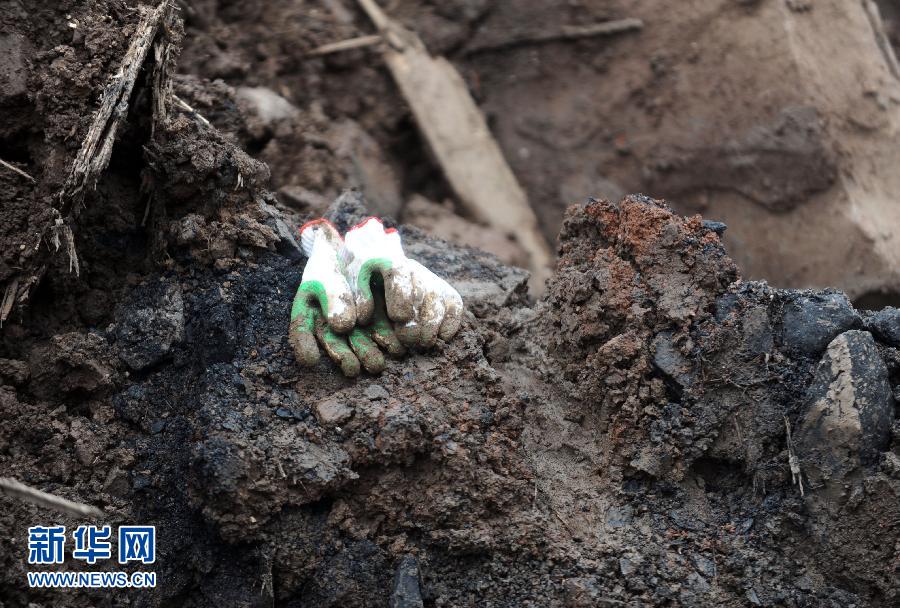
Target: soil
x,y
631,438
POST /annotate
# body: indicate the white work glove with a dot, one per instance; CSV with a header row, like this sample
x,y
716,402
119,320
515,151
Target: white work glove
x,y
324,309
422,305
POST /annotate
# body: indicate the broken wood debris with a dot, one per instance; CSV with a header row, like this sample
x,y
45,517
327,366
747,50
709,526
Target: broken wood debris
x,y
96,149
345,45
458,135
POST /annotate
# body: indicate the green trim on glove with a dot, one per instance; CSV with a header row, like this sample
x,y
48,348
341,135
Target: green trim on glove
x,y
374,268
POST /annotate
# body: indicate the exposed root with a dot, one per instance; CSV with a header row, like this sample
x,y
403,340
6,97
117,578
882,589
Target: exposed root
x,y
793,460
19,490
3,163
187,108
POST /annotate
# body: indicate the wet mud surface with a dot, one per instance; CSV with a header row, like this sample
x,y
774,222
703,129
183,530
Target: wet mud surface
x,y
625,440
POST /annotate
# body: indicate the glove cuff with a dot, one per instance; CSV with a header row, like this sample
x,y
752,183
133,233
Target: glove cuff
x,y
311,230
370,239
372,218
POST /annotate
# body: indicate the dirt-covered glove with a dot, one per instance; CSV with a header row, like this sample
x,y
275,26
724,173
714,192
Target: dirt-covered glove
x,y
324,309
422,305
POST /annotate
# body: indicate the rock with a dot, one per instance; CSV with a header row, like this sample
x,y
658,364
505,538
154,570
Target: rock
x,y
116,482
891,465
149,324
717,227
332,412
626,566
669,360
812,321
376,391
705,566
849,410
407,588
286,245
619,517
885,325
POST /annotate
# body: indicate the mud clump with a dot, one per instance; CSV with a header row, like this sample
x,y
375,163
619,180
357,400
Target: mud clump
x,y
632,281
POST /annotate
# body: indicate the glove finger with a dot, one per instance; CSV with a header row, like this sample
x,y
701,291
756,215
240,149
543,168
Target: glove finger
x,y
453,312
430,316
366,351
336,347
370,278
382,331
301,333
408,333
451,301
402,295
334,299
340,308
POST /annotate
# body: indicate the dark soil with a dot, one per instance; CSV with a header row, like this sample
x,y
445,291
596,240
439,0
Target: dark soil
x,y
622,441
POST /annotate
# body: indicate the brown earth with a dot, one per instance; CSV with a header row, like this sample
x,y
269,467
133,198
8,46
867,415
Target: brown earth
x,y
622,441
736,109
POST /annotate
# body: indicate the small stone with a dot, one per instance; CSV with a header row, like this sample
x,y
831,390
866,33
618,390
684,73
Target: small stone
x,y
331,412
812,321
157,426
705,566
140,481
619,517
626,566
669,360
230,426
116,482
376,391
717,227
885,325
891,465
150,324
407,591
284,412
849,410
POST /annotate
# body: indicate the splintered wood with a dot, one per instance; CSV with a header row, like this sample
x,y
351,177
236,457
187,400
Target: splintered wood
x,y
458,135
96,149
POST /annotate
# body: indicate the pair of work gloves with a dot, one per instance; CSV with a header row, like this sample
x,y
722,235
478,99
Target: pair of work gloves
x,y
360,295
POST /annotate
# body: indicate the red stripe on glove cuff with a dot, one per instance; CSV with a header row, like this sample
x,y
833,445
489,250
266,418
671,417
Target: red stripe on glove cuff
x,y
316,222
370,218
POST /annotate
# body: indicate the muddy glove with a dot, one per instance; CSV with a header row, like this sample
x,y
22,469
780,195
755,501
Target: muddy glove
x,y
422,305
324,308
